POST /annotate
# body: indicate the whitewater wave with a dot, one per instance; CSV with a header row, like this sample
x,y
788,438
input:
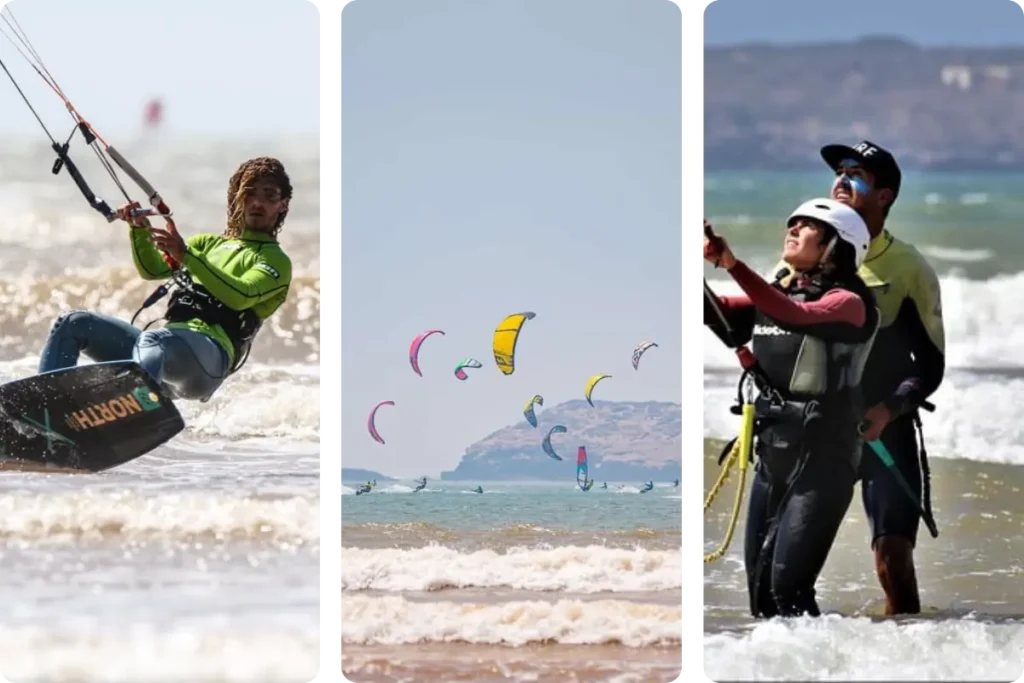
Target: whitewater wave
x,y
393,620
262,401
838,648
128,516
579,569
145,653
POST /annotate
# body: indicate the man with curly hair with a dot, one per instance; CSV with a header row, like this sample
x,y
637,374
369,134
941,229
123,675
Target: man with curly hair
x,y
224,287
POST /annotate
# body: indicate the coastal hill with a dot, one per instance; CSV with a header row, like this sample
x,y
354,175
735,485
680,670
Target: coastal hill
x,y
361,475
770,106
625,441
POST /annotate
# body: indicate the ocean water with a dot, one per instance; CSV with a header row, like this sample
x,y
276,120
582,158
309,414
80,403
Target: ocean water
x,y
968,226
526,581
200,560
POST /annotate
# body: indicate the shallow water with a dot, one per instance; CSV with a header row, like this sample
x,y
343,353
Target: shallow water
x,y
529,581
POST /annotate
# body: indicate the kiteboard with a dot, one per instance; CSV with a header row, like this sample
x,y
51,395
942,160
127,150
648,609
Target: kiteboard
x,y
86,418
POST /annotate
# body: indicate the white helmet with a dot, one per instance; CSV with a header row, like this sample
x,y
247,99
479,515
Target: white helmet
x,y
848,224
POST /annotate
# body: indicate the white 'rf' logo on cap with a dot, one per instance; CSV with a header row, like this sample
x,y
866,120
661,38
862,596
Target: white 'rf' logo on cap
x,y
865,149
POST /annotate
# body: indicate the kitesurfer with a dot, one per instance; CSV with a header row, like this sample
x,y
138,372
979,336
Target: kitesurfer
x,y
478,489
604,485
226,288
647,487
906,368
811,334
420,485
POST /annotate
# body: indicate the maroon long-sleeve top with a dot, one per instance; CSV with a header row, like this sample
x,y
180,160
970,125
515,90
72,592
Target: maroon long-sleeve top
x,y
837,316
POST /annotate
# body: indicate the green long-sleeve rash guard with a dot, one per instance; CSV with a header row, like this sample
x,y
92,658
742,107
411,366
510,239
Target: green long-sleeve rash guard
x,y
252,272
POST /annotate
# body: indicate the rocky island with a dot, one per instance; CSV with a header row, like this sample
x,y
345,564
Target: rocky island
x,y
626,441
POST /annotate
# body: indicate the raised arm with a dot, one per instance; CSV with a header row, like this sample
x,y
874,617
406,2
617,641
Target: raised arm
x,y
840,315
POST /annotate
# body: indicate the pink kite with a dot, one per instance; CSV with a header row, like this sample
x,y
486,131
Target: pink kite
x,y
370,421
414,350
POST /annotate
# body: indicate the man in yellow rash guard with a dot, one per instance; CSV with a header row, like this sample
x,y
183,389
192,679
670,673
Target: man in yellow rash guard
x,y
232,283
906,365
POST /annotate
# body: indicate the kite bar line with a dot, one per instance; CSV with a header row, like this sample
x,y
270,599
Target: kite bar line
x,y
104,152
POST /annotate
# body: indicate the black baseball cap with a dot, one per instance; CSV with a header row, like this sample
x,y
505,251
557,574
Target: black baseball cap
x,y
871,157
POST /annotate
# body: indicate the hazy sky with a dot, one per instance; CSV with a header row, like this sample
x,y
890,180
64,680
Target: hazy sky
x,y
500,157
926,22
235,67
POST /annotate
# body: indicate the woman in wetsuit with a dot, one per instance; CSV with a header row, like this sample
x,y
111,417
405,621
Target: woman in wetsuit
x,y
811,334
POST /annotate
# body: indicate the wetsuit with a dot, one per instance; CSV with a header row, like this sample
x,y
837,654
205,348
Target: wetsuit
x,y
907,368
249,277
235,285
811,339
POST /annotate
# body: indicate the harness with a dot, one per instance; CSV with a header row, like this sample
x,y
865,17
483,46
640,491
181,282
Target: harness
x,y
192,301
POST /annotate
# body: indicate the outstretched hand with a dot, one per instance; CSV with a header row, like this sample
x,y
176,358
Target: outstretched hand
x,y
716,249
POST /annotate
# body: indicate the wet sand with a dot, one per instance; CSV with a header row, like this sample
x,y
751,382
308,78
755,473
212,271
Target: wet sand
x,y
537,663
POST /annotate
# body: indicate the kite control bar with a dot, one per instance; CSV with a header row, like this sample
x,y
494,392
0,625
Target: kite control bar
x,y
91,137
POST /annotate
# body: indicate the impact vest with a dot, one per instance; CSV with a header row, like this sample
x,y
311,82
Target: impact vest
x,y
195,302
802,367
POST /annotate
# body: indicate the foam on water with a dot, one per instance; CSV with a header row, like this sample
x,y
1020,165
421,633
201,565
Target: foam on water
x,y
143,653
260,401
838,648
127,516
588,569
393,620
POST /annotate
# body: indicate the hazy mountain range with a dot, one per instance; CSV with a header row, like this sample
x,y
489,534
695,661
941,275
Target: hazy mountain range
x,y
769,106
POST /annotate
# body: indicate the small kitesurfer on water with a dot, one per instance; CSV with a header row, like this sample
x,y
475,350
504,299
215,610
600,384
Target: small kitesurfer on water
x,y
811,333
905,368
226,288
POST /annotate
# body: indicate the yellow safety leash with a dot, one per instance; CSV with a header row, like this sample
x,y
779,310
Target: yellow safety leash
x,y
742,451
